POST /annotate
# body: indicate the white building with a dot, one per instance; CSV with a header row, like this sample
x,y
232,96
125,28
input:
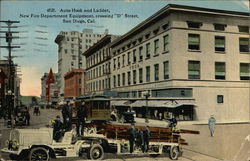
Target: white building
x,y
98,66
193,62
71,45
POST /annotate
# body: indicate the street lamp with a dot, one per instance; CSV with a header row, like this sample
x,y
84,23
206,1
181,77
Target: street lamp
x,y
147,95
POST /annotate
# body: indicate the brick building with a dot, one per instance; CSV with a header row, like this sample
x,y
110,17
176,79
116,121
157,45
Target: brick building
x,y
74,83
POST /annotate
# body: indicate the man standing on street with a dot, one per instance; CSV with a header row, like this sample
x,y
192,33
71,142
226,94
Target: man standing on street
x,y
80,119
131,137
27,115
64,114
146,135
211,124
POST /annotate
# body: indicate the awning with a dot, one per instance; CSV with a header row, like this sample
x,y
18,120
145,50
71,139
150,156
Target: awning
x,y
120,103
166,104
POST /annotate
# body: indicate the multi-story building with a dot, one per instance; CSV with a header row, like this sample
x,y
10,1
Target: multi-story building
x,y
74,83
98,66
71,45
188,62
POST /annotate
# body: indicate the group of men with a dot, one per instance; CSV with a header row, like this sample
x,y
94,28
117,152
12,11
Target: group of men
x,y
139,138
60,127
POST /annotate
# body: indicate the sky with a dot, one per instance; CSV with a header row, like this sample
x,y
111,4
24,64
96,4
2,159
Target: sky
x,y
38,52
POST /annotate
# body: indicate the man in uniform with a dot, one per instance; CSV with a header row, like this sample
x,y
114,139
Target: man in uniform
x,y
146,136
131,137
80,119
57,129
64,114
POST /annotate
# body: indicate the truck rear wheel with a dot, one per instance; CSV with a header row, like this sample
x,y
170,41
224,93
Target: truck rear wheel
x,y
95,152
174,153
39,154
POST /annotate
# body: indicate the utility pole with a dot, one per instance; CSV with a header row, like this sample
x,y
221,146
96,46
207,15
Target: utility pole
x,y
10,92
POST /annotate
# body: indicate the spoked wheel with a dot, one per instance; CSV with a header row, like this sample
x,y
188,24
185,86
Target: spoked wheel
x,y
95,152
39,154
174,153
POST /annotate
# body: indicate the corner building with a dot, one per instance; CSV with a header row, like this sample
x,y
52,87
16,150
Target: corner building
x,y
193,62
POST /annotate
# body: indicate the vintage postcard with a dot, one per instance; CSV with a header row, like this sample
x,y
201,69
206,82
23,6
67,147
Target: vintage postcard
x,y
124,80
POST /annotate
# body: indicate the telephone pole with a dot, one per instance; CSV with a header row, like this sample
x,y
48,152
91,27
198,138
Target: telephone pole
x,y
10,91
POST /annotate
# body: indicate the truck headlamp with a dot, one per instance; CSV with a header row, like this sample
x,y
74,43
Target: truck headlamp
x,y
15,144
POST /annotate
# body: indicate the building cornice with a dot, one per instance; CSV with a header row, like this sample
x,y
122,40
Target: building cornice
x,y
171,8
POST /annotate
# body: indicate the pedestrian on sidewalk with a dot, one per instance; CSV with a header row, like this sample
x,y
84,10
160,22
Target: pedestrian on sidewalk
x,y
211,124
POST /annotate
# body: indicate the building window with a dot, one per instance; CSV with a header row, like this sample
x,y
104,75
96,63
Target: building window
x,y
100,71
123,79
128,58
220,70
123,60
148,50
194,24
134,76
219,43
148,74
193,70
140,76
244,71
166,70
193,41
165,26
220,27
134,56
156,66
165,43
244,44
156,47
114,81
140,54
66,51
129,78
118,62
119,80
220,99
114,64
73,57
244,29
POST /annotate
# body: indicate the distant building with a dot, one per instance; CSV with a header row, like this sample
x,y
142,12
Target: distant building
x,y
74,83
192,62
49,87
71,45
98,65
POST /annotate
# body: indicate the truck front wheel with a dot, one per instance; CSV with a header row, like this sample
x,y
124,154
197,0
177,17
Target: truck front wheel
x,y
39,154
95,152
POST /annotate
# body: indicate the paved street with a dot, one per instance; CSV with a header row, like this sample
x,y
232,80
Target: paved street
x,y
49,114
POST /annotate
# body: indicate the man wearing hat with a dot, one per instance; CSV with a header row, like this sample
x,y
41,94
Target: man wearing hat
x,y
80,119
211,124
57,129
131,137
146,136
